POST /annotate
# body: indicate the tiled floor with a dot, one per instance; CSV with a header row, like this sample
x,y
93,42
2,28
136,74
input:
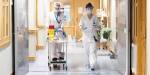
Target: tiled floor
x,y
76,63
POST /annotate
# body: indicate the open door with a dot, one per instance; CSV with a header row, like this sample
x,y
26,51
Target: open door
x,y
20,35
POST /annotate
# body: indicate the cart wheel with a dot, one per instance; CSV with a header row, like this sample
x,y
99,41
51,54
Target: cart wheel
x,y
50,68
66,68
48,64
63,66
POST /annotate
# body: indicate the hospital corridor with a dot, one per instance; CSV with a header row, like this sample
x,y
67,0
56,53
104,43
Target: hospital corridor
x,y
76,63
74,37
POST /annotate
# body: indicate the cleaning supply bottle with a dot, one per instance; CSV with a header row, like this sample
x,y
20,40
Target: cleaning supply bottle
x,y
51,32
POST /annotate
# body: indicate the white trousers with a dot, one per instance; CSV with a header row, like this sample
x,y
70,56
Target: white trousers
x,y
90,48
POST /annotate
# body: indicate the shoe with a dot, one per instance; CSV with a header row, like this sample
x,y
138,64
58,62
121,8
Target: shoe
x,y
54,59
92,69
61,58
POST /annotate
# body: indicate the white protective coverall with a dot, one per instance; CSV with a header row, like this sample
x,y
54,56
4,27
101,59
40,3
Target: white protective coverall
x,y
56,47
89,27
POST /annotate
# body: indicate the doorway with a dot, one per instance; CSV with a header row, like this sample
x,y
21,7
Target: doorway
x,y
114,61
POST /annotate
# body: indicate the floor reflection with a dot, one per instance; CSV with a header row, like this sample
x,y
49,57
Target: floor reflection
x,y
76,63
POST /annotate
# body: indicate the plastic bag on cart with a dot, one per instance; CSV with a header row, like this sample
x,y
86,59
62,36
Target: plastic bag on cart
x,y
60,34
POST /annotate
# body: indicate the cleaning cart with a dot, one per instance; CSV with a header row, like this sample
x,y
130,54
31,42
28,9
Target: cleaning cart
x,y
57,39
62,62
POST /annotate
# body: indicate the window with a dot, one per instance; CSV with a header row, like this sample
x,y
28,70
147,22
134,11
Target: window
x,y
4,22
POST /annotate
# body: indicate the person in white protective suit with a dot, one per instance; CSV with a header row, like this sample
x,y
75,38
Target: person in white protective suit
x,y
57,18
89,24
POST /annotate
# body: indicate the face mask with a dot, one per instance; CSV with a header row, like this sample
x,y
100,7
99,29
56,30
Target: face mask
x,y
89,11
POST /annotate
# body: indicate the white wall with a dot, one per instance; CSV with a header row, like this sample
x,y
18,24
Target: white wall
x,y
32,46
31,12
46,10
42,18
32,24
113,19
148,37
6,60
42,12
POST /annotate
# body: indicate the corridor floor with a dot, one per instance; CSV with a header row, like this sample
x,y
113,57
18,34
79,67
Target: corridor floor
x,y
76,63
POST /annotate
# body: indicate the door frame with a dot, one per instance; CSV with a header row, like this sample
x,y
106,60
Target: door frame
x,y
142,61
13,38
129,33
130,36
141,69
